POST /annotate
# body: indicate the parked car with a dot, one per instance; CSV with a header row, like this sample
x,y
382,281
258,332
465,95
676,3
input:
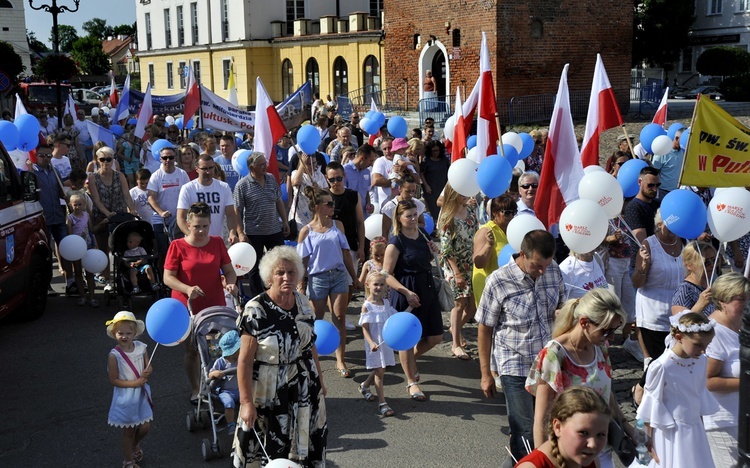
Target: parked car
x,y
709,91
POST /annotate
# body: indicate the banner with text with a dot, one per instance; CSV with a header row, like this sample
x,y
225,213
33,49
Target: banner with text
x,y
718,150
172,104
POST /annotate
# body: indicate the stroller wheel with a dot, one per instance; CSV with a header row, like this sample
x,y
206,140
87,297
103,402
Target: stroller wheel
x,y
206,450
204,419
216,450
192,424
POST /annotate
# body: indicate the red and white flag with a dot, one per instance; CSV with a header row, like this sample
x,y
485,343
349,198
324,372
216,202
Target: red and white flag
x,y
269,128
20,108
660,117
192,97
603,114
145,114
482,100
459,130
113,97
562,169
70,107
373,106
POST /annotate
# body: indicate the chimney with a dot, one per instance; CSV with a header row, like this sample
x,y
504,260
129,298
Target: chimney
x,y
358,21
301,27
343,25
277,28
327,24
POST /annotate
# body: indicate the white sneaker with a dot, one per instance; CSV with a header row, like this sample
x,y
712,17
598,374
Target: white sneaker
x,y
349,326
632,346
109,287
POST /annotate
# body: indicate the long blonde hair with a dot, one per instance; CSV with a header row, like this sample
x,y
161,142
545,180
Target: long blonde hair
x,y
598,305
450,207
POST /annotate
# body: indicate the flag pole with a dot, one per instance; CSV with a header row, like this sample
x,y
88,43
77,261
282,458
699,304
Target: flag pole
x,y
499,143
692,123
630,144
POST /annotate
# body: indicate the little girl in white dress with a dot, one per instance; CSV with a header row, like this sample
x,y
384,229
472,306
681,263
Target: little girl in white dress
x,y
675,396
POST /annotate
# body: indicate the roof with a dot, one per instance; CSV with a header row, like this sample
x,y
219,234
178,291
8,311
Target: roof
x,y
114,46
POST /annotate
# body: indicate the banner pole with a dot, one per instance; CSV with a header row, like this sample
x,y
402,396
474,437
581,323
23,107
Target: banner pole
x,y
687,143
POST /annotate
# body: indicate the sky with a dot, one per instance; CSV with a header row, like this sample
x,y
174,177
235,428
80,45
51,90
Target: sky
x,y
116,12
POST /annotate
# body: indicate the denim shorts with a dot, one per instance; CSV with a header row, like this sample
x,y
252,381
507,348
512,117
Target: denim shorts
x,y
321,285
229,398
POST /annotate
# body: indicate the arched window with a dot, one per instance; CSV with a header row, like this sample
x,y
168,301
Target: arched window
x,y
287,78
312,72
371,74
340,77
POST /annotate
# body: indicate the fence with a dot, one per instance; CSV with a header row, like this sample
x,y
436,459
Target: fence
x,y
361,99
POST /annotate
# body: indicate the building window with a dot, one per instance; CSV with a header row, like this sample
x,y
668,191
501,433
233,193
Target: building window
x,y
295,9
687,60
180,28
197,71
151,75
182,69
194,20
170,75
287,78
714,7
376,6
148,31
340,77
167,27
312,73
224,21
371,74
456,37
537,29
742,5
226,66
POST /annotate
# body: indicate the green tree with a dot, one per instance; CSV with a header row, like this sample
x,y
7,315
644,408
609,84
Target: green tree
x,y
97,27
124,29
87,52
661,31
10,61
723,61
35,44
67,35
53,67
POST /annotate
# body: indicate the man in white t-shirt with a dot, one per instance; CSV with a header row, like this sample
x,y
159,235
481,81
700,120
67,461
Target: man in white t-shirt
x,y
227,147
215,193
163,193
381,170
59,159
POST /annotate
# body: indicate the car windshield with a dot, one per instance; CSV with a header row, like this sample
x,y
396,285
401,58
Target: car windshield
x,y
45,94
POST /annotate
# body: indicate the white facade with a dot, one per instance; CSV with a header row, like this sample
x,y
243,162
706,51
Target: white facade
x,y
13,30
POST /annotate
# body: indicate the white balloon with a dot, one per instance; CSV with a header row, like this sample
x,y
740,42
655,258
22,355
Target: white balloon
x,y
661,145
450,126
73,248
513,139
602,188
729,214
520,165
94,111
243,257
105,109
169,120
94,261
282,463
112,113
583,225
462,176
593,168
374,226
519,226
363,123
472,154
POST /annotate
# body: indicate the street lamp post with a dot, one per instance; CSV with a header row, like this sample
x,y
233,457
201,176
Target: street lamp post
x,y
56,10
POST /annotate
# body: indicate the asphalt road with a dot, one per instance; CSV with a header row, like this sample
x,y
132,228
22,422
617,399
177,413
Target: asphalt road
x,y
56,397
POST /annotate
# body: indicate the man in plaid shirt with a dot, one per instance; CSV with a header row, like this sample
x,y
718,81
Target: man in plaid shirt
x,y
515,315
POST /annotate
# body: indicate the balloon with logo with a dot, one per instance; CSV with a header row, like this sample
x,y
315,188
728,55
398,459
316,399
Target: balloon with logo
x,y
94,261
159,145
9,135
661,145
72,248
462,175
167,321
602,188
583,225
402,331
729,214
308,138
327,337
374,226
628,176
494,175
397,126
649,134
239,162
684,213
243,257
519,226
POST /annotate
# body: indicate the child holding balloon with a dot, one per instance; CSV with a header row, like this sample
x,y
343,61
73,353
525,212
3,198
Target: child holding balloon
x,y
128,368
79,223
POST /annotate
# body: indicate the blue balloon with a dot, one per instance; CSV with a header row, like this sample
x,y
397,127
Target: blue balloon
x,y
284,194
238,141
240,162
308,138
290,243
673,129
494,175
327,158
471,142
429,223
402,331
649,133
379,119
179,122
628,176
117,130
158,146
369,114
528,145
326,337
511,154
190,124
397,126
9,135
167,321
134,121
684,139
371,127
684,213
505,255
28,127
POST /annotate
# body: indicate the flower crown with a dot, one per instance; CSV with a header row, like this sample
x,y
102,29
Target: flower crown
x,y
694,328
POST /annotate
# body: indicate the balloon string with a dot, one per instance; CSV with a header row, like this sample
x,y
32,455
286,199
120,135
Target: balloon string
x,y
152,354
259,441
628,231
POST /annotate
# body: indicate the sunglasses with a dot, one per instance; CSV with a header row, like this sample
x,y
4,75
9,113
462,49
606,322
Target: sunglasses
x,y
607,332
200,210
509,213
329,204
105,159
167,158
335,179
654,185
44,155
528,186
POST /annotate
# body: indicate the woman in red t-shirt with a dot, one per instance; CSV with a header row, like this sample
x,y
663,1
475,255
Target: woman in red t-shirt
x,y
193,270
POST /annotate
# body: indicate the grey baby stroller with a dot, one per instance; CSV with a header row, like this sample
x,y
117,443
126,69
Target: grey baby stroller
x,y
209,325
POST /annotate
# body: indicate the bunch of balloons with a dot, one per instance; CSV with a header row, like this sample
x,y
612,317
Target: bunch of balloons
x,y
22,134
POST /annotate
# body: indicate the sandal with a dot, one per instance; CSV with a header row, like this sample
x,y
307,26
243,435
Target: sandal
x,y
459,353
137,454
416,396
385,410
345,373
365,391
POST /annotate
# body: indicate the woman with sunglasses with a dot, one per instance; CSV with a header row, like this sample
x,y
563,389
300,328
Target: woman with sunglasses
x,y
325,255
577,355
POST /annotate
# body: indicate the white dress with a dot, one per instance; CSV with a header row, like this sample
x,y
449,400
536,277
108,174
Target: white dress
x,y
130,407
375,318
674,400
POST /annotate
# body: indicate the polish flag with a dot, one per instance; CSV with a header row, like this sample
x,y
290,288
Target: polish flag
x,y
562,169
268,128
482,100
459,130
113,99
192,97
660,117
20,108
70,107
145,114
603,114
123,107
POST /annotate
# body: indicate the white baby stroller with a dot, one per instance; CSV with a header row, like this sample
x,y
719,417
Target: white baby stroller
x,y
209,325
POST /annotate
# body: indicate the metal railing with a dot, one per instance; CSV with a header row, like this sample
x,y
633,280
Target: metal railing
x,y
388,100
438,109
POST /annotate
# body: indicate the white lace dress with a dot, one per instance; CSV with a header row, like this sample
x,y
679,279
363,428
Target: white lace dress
x,y
375,317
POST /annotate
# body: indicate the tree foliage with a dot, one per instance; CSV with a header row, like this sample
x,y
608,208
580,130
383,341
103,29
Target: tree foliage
x,y
67,36
53,67
10,62
124,29
723,61
661,30
35,44
98,28
87,52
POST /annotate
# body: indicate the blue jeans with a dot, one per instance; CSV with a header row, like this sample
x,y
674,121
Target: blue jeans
x,y
520,406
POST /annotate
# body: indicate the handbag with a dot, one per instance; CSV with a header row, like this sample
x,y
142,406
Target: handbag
x,y
621,443
443,288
